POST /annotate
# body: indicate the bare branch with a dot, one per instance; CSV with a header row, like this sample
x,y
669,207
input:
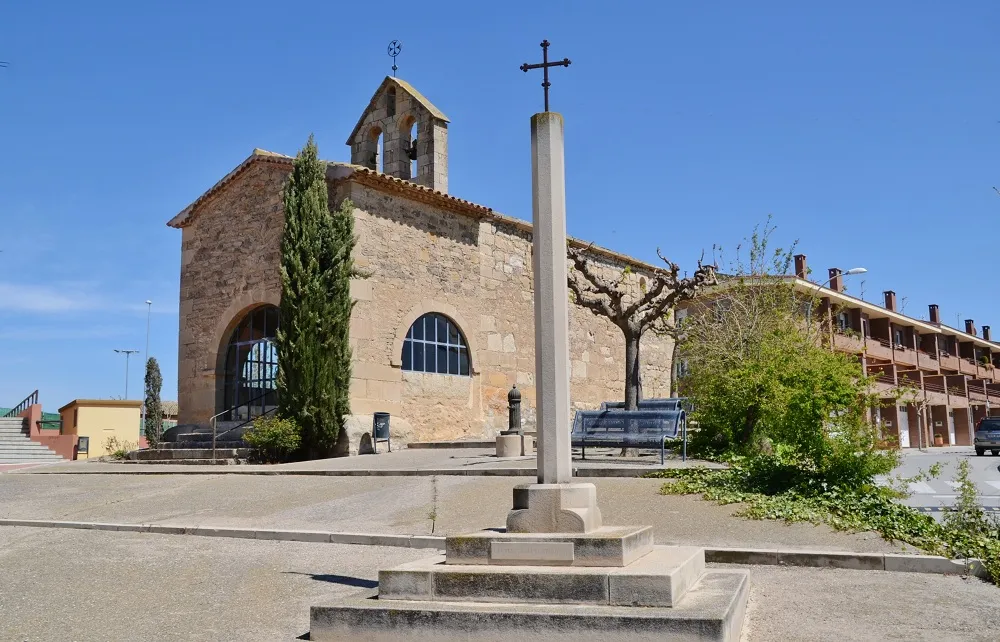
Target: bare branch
x,y
590,298
589,294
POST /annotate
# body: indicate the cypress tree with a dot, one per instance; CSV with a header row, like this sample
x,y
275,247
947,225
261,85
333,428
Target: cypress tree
x,y
313,337
154,409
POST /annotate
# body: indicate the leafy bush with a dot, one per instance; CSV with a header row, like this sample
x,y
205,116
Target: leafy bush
x,y
274,438
778,487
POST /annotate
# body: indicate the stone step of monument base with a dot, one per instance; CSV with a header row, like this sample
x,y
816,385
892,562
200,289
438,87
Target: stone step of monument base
x,y
713,609
605,546
660,578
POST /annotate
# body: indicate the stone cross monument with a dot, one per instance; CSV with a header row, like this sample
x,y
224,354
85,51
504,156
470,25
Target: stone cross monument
x,y
556,573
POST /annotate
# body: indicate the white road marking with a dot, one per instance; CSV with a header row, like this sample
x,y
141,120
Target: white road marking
x,y
921,488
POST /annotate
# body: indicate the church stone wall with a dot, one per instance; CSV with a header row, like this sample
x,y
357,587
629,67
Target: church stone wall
x,y
421,259
477,272
229,264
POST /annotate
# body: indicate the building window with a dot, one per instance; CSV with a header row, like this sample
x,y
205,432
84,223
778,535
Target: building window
x,y
435,344
251,365
844,320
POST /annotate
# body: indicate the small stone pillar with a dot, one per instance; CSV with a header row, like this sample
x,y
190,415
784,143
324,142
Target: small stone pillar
x,y
514,410
510,441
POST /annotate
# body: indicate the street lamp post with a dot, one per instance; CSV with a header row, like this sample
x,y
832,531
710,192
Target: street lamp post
x,y
149,309
127,353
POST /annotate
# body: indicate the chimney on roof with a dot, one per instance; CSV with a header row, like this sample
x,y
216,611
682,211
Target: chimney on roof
x,y
836,280
890,300
970,327
801,270
935,314
986,333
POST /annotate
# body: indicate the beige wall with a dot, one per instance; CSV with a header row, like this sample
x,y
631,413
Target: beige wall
x,y
422,259
101,419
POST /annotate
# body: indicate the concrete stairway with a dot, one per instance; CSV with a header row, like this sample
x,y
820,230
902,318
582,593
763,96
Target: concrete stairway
x,y
193,448
17,448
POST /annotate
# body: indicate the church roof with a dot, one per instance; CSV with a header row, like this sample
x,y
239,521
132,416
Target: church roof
x,y
408,88
339,171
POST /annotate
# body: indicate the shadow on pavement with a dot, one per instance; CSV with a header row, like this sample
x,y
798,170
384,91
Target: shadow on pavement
x,y
344,580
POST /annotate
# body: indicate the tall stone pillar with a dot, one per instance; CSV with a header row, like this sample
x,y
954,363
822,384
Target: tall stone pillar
x,y
555,504
552,367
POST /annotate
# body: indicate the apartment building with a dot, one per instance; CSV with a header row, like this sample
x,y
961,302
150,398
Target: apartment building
x,y
950,376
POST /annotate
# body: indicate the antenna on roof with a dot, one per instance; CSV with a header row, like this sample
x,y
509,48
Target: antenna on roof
x,y
394,48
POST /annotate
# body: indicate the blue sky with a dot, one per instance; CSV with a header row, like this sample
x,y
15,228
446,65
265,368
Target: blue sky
x,y
869,130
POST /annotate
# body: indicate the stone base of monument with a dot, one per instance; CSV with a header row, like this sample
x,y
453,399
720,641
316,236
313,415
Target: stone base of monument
x,y
508,446
609,584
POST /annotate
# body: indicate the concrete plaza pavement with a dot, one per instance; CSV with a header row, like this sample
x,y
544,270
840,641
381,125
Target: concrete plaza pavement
x,y
452,461
400,505
98,585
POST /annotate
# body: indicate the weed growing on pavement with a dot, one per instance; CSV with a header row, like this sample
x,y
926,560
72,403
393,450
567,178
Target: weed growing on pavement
x,y
118,449
433,515
966,532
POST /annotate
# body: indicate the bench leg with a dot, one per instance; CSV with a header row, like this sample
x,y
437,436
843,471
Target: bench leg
x,y
663,446
583,450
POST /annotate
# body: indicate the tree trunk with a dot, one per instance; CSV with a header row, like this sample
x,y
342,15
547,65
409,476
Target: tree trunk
x,y
633,385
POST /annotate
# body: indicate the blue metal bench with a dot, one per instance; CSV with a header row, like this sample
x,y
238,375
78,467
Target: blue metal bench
x,y
644,428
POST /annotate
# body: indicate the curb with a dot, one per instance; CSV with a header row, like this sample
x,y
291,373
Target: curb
x,y
623,472
896,562
273,534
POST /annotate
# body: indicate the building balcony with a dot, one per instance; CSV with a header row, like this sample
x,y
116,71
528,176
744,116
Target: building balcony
x,y
878,349
926,361
848,343
904,356
947,361
968,367
936,392
976,395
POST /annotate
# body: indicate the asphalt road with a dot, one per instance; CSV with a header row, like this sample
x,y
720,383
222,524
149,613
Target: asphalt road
x,y
935,495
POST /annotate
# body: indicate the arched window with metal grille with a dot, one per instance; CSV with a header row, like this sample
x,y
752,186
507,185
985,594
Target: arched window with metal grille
x,y
435,344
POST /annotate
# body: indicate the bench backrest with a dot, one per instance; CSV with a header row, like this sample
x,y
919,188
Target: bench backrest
x,y
673,403
637,422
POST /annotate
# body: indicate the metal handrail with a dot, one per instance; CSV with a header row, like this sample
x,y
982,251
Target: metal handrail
x,y
59,424
30,400
214,420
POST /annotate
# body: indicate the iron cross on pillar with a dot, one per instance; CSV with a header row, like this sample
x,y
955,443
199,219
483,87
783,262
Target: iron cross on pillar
x,y
544,66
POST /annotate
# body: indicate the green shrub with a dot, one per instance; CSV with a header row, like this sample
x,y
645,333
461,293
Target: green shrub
x,y
274,438
785,486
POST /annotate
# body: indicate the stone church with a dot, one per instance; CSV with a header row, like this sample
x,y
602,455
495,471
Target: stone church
x,y
443,326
